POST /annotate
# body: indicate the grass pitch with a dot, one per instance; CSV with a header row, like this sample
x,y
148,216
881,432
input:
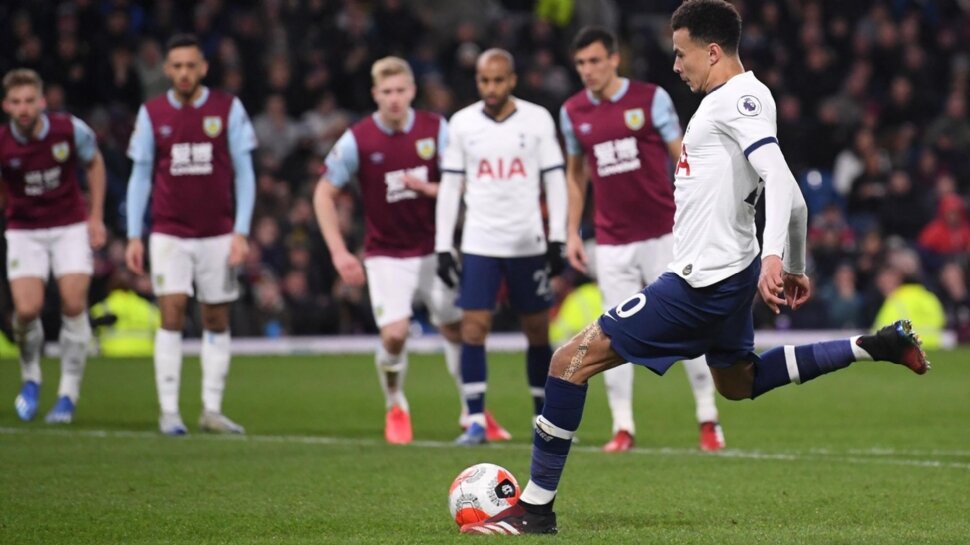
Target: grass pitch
x,y
873,455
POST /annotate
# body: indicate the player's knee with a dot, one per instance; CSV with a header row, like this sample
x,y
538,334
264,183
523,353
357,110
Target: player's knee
x,y
561,359
734,391
394,341
173,323
28,312
473,333
72,308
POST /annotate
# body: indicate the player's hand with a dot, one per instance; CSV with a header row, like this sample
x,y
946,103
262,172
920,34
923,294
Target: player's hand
x,y
576,253
97,234
771,284
448,270
556,258
135,256
798,289
419,186
350,269
238,250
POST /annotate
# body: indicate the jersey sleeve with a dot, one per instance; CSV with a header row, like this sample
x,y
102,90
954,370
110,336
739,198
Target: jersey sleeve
x,y
141,147
453,158
442,139
568,133
664,116
242,136
342,163
84,140
550,154
750,121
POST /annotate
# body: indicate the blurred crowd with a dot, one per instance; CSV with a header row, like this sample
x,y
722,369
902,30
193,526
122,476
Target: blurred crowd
x,y
872,116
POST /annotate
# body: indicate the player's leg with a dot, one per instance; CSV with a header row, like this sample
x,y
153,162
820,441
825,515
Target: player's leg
x,y
74,338
171,275
652,258
72,264
531,296
618,277
216,288
28,265
480,278
754,376
587,354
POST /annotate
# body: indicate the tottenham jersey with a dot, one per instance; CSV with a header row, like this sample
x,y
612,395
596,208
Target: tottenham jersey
x,y
502,162
715,187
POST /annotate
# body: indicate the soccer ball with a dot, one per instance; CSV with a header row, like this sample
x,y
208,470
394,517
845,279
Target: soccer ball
x,y
482,491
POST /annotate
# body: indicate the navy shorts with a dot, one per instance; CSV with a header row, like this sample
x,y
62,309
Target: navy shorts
x,y
527,279
669,321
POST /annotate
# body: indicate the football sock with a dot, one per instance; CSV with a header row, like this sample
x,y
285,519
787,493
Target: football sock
x,y
798,364
702,384
537,360
619,393
391,370
215,368
168,368
554,431
29,337
453,362
473,377
74,338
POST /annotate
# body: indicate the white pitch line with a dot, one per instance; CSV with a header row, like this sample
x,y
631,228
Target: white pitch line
x,y
875,456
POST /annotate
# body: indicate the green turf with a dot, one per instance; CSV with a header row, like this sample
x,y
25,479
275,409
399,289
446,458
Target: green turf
x,y
873,455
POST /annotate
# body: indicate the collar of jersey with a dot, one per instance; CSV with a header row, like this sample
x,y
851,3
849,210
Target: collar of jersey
x,y
195,104
389,131
493,120
624,87
728,81
45,127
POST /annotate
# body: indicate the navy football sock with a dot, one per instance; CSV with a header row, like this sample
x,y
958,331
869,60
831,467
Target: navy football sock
x,y
473,377
555,429
798,364
537,360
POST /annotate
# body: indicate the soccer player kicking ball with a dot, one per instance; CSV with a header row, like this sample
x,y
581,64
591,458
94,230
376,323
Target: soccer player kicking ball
x,y
192,154
394,154
620,134
48,230
703,305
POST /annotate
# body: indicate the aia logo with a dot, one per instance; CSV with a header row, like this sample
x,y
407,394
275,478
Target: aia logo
x,y
683,164
501,169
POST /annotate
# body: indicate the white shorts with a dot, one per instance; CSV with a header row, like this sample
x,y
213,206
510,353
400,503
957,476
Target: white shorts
x,y
35,253
178,262
397,282
625,269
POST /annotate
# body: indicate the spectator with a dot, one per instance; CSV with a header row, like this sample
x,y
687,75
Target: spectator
x,y
277,132
948,235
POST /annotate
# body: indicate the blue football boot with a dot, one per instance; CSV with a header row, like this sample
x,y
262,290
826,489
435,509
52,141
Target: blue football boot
x,y
474,435
62,412
26,402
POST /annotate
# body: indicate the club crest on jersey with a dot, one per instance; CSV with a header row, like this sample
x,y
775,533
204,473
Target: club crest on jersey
x,y
749,106
212,125
585,128
634,118
61,151
425,147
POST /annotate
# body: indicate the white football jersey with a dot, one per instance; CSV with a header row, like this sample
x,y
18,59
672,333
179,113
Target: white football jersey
x,y
715,187
502,163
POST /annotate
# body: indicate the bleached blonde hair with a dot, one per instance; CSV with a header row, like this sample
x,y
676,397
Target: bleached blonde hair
x,y
390,66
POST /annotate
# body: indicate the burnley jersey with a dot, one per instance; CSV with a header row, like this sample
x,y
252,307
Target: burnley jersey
x,y
624,141
398,221
41,174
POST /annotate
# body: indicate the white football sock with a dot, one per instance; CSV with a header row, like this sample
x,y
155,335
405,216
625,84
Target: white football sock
x,y
619,393
215,368
391,371
702,384
30,342
74,338
536,495
168,368
857,351
453,361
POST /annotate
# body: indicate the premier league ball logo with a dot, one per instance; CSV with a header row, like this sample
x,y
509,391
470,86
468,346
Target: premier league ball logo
x,y
749,106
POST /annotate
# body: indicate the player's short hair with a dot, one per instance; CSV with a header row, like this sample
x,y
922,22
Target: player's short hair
x,y
22,76
589,35
182,40
390,66
497,52
710,21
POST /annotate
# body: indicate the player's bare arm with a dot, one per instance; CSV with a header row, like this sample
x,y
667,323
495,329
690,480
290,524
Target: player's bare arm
x,y
674,148
576,182
425,188
135,256
238,250
96,189
348,266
